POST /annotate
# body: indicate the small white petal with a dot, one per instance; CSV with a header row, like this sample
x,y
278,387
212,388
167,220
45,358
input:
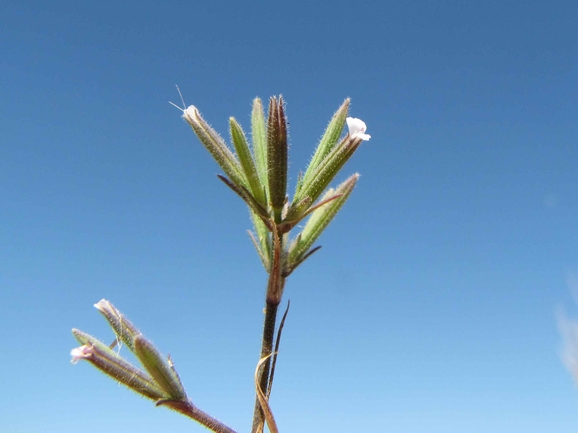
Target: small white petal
x,y
357,128
79,353
102,305
190,113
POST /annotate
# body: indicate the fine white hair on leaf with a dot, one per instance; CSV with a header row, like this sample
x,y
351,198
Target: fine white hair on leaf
x,y
182,100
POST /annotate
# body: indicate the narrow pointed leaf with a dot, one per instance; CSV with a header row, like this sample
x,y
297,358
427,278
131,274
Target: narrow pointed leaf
x,y
301,260
321,218
259,135
246,160
246,196
294,244
263,236
264,258
329,138
299,214
328,169
298,208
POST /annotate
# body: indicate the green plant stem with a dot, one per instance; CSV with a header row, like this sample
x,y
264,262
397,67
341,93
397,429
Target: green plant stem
x,y
189,409
266,350
275,287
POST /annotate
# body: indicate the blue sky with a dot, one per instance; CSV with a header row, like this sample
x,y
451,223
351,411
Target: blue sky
x,y
432,305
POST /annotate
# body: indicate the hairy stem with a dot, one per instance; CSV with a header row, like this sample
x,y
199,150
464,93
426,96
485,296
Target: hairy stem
x,y
266,350
275,287
187,408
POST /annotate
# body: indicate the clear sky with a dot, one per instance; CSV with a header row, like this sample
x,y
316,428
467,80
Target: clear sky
x,y
432,304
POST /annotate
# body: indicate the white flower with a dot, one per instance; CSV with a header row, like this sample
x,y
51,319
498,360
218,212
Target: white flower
x,y
191,113
81,352
357,128
102,305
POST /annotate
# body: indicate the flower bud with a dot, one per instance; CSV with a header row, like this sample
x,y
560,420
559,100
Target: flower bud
x,y
277,150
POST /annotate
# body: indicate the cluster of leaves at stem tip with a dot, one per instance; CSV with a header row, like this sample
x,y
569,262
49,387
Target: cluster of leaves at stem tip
x,y
257,172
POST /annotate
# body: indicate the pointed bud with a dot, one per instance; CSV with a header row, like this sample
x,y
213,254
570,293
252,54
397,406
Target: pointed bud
x,y
114,366
277,150
215,145
329,139
125,331
160,369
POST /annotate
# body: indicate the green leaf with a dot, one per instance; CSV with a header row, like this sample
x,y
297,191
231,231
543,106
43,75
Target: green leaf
x,y
324,174
319,220
328,140
116,367
159,368
247,197
247,162
259,135
263,240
